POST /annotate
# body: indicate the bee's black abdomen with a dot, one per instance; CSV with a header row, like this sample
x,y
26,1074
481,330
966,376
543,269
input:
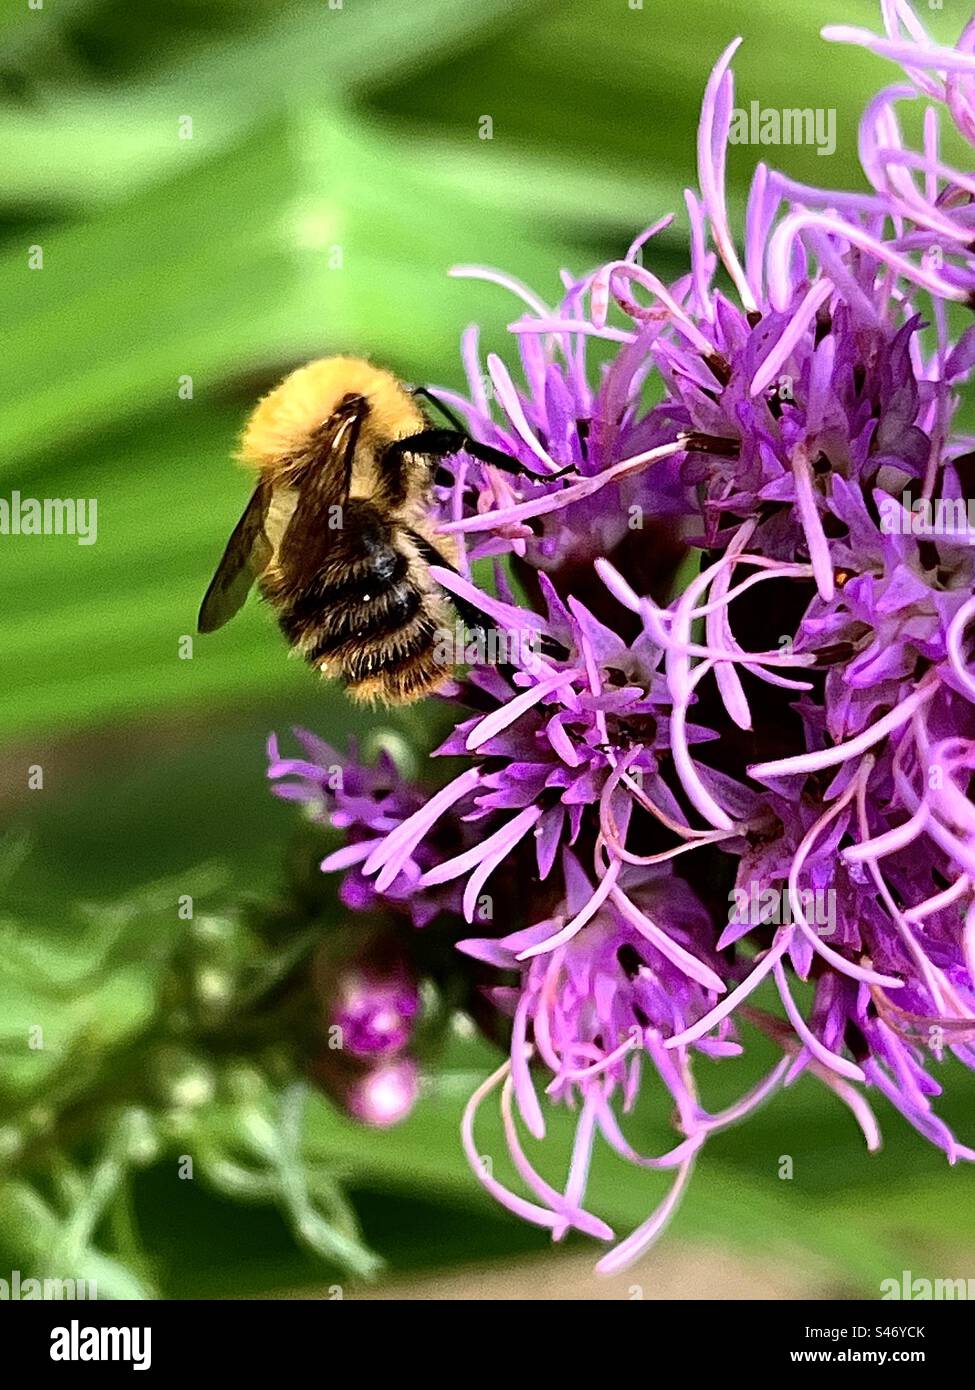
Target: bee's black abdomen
x,y
400,669
365,593
367,618
365,660
367,611
371,575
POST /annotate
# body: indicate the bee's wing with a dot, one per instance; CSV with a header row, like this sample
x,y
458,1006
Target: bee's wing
x,y
323,487
247,555
336,445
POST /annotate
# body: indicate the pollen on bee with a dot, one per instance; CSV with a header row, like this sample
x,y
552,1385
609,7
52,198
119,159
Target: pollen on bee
x,y
841,577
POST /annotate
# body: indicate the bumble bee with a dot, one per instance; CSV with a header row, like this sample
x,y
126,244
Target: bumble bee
x,y
338,533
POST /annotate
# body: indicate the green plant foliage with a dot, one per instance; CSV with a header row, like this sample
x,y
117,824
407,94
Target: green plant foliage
x,y
333,175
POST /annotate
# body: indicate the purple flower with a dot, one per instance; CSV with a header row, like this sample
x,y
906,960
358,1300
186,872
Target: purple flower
x,y
744,663
368,1006
366,804
369,1003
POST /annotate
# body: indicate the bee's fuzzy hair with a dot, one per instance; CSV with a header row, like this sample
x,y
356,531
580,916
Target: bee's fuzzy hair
x,y
287,417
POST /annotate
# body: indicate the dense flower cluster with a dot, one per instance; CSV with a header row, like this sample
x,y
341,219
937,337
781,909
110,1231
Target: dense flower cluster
x,y
755,689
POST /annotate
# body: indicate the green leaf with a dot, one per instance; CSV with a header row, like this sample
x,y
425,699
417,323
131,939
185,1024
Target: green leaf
x,y
81,145
423,1157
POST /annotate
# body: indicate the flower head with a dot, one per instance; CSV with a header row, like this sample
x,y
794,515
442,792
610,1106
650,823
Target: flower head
x,y
741,751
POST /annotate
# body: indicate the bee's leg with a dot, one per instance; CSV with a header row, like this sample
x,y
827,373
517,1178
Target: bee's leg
x,y
438,444
473,617
445,410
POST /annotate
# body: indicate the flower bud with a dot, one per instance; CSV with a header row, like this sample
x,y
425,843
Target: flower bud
x,y
369,1005
386,1094
379,1095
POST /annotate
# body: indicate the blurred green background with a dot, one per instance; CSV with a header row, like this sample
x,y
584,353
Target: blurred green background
x,y
316,126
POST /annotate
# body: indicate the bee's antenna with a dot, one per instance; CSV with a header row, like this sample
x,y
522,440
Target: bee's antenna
x,y
445,410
